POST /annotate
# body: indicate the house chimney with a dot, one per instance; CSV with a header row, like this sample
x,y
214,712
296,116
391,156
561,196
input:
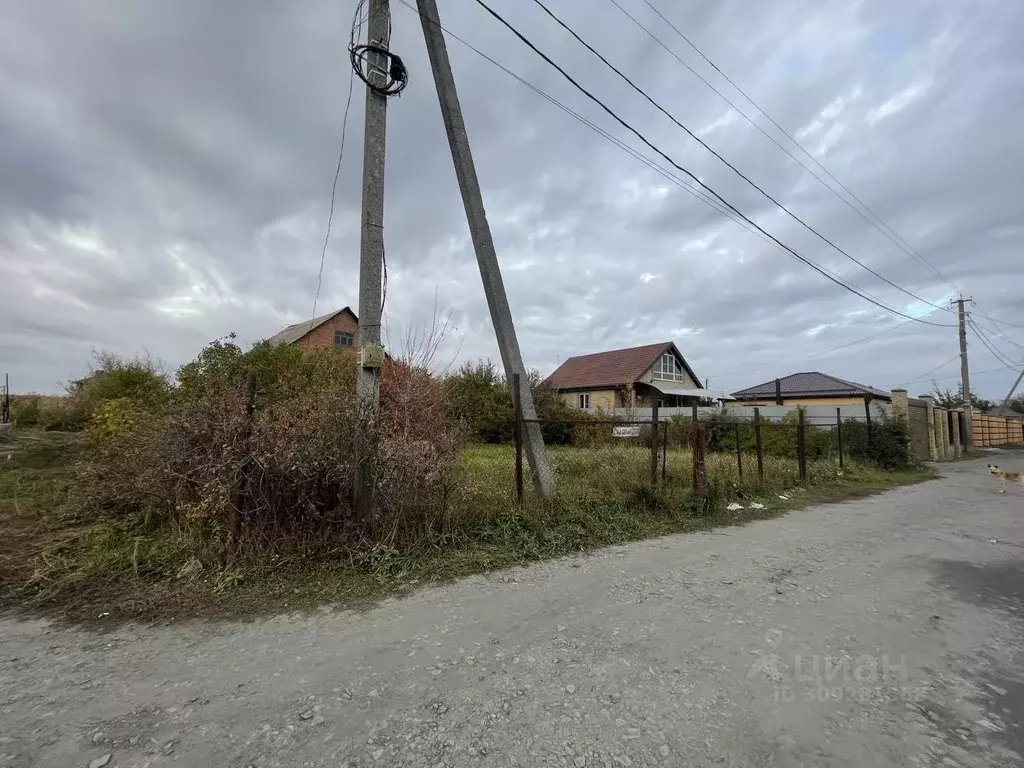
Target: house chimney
x,y
778,392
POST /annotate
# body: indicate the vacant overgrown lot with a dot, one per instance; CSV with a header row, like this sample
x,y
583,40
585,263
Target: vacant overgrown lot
x,y
58,559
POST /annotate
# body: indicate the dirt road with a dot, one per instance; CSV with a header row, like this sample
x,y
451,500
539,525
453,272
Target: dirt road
x,y
886,631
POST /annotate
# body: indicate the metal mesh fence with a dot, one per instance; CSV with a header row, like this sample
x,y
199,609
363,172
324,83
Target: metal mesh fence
x,y
592,458
595,459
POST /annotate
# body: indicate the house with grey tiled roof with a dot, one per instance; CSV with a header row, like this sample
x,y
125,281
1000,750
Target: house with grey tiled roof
x,y
809,388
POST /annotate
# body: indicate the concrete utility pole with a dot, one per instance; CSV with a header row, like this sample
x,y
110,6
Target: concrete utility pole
x,y
1006,400
965,378
483,243
371,249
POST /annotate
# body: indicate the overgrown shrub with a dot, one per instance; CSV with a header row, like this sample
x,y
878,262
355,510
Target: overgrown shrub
x,y
53,413
25,412
257,450
113,377
479,398
889,444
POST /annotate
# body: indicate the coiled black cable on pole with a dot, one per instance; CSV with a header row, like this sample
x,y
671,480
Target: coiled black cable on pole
x,y
397,75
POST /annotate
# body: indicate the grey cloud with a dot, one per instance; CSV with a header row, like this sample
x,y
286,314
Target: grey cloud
x,y
195,143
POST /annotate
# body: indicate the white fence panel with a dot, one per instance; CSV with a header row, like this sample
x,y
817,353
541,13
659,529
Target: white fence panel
x,y
815,415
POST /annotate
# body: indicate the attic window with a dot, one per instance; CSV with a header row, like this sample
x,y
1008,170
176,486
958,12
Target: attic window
x,y
344,339
667,368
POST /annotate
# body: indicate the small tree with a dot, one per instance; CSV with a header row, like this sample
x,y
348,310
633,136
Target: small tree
x,y
947,398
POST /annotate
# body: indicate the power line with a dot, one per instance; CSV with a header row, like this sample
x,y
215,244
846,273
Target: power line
x,y
853,343
664,172
689,173
925,375
989,345
973,373
696,191
357,24
998,322
895,236
732,167
998,333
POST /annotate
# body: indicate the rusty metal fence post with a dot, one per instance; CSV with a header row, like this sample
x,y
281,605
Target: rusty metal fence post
x,y
654,445
664,451
699,467
839,433
693,443
759,444
517,433
801,444
867,417
739,451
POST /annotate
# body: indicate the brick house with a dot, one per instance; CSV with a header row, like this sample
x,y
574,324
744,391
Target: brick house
x,y
624,378
335,329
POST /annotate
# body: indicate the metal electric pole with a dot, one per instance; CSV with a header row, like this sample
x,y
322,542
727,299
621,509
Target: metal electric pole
x,y
483,244
965,377
371,250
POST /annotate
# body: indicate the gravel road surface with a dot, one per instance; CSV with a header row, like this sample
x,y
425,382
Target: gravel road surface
x,y
885,631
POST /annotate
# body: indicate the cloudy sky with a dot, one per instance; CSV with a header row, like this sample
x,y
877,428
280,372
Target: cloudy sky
x,y
165,173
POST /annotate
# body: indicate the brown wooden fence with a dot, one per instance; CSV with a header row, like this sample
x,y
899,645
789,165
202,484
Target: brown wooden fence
x,y
996,430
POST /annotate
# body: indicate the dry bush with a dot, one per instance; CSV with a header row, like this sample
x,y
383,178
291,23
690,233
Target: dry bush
x,y
256,452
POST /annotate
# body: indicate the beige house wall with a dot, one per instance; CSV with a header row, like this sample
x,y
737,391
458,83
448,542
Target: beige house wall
x,y
686,381
599,398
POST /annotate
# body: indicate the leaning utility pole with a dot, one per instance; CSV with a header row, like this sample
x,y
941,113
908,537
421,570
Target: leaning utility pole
x,y
965,377
1006,400
483,244
371,250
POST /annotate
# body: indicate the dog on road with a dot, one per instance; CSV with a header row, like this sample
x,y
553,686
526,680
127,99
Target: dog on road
x,y
1006,477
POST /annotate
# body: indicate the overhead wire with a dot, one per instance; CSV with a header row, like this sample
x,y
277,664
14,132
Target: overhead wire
x,y
357,23
696,191
973,374
999,334
800,257
888,231
926,374
853,343
996,353
726,162
1000,322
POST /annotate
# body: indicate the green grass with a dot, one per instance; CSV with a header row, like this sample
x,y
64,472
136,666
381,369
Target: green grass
x,y
112,570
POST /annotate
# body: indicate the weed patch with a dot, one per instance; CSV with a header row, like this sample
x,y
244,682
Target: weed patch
x,y
115,569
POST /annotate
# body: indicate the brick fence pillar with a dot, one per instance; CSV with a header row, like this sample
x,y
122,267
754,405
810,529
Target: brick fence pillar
x,y
958,450
947,450
901,410
940,452
930,414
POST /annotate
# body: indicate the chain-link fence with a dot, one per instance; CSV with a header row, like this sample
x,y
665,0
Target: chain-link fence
x,y
599,458
595,458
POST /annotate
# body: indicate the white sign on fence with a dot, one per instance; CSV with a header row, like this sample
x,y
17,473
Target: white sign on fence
x,y
633,431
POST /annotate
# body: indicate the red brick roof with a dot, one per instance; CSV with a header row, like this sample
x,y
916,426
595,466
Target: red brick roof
x,y
608,369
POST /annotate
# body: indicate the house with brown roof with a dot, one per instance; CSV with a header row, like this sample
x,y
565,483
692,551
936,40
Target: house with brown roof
x,y
335,329
809,388
622,378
